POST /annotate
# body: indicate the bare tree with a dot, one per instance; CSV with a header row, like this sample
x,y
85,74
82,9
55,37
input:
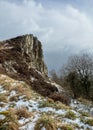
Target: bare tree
x,y
79,74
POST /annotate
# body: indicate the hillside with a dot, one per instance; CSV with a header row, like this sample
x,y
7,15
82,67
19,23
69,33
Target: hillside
x,y
29,99
22,108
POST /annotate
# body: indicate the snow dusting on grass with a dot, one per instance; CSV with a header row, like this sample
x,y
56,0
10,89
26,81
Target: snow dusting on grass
x,y
76,115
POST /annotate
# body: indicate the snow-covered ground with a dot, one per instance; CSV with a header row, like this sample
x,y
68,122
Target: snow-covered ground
x,y
79,110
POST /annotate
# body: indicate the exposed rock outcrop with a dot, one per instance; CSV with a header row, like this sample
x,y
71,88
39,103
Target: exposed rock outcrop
x,y
25,49
22,59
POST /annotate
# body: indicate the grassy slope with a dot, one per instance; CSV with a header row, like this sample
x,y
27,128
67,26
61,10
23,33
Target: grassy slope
x,y
21,107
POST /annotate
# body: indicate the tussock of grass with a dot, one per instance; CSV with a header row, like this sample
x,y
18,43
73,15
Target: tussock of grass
x,y
20,87
60,105
23,112
3,98
10,121
7,86
46,104
45,122
14,98
70,115
10,115
84,113
9,126
56,105
23,90
6,82
89,121
66,127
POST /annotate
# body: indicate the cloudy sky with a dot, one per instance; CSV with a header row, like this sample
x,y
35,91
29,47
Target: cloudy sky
x,y
64,27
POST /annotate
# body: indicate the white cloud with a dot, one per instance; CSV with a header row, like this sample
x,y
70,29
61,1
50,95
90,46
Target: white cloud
x,y
65,30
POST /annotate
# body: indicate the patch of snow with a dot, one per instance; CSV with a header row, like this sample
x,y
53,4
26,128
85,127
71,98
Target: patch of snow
x,y
21,97
32,78
6,107
21,103
60,112
2,90
2,117
33,105
59,129
47,109
43,128
80,124
79,106
50,109
3,76
31,125
39,72
60,89
91,112
12,93
24,120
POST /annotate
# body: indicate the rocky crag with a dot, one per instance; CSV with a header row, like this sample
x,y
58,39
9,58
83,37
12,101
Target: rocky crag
x,y
26,50
22,59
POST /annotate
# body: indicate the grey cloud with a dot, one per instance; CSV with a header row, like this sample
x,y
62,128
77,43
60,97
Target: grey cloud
x,y
63,31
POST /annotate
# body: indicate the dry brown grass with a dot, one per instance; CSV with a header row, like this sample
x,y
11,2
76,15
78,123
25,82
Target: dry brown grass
x,y
71,115
9,126
23,90
89,121
45,122
66,127
3,98
6,82
51,103
19,86
10,121
60,97
14,98
2,104
23,112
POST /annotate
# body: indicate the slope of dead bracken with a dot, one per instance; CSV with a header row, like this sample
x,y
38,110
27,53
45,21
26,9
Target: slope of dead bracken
x,y
22,108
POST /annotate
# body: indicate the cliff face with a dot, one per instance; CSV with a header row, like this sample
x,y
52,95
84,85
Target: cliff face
x,y
23,51
21,58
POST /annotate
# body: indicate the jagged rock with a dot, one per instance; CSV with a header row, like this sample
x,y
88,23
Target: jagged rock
x,y
22,59
25,49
